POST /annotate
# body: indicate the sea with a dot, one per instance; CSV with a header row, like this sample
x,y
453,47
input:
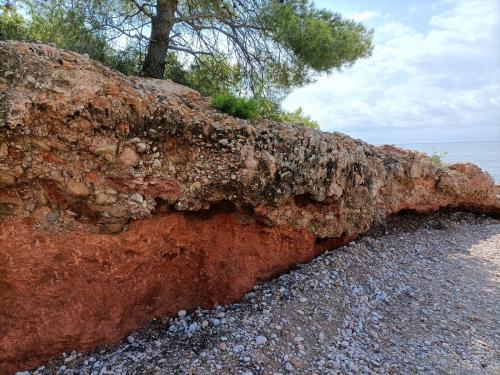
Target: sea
x,y
485,154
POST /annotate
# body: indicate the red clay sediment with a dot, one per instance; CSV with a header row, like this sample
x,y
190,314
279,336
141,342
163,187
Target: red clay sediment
x,y
76,290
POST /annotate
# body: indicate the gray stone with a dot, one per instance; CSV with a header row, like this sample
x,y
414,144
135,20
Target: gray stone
x,y
193,327
260,340
53,216
141,147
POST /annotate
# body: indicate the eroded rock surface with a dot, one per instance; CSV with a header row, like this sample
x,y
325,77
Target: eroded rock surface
x,y
123,199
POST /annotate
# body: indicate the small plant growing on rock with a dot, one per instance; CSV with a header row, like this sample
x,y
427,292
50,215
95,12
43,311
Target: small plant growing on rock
x,y
298,117
244,108
437,159
251,108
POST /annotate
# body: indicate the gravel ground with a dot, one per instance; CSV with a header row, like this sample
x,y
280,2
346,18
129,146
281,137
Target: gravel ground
x,y
420,295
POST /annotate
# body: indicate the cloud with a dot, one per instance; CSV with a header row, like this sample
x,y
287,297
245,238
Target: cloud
x,y
365,16
443,78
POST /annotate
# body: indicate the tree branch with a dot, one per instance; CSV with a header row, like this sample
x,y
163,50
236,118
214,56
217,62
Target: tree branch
x,y
142,8
190,51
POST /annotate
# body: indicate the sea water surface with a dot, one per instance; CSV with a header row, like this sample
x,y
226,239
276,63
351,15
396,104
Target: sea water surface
x,y
485,154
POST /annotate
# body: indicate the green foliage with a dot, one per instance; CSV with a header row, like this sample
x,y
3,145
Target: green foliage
x,y
12,25
260,108
67,28
245,108
128,61
175,70
298,117
319,39
278,45
437,159
214,75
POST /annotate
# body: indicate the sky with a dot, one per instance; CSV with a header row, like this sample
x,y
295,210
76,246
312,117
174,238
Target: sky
x,y
434,75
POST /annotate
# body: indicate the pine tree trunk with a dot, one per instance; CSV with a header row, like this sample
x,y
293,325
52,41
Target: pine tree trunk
x,y
161,25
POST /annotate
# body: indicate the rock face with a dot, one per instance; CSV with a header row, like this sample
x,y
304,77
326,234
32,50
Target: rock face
x,y
124,199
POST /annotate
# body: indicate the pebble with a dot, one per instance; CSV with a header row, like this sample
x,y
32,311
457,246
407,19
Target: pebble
x,y
53,216
215,322
141,147
77,189
129,157
130,339
260,340
136,197
193,327
101,198
195,186
238,348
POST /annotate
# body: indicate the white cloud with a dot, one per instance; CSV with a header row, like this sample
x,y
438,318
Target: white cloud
x,y
441,79
365,16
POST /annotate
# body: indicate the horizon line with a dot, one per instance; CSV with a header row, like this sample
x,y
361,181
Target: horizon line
x,y
423,143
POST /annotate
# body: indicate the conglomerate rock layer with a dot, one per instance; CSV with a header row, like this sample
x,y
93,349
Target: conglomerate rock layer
x,y
123,199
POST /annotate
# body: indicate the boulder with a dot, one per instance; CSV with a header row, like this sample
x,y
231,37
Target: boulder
x,y
130,198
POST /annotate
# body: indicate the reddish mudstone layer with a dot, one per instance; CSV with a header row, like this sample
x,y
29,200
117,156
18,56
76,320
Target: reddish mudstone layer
x,y
76,290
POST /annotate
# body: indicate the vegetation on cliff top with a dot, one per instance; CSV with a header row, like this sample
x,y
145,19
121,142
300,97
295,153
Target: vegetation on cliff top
x,y
437,158
252,48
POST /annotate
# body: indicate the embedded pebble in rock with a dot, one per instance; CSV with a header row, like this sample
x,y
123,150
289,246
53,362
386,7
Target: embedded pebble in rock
x,y
77,189
141,147
129,157
53,216
6,179
101,198
136,197
437,274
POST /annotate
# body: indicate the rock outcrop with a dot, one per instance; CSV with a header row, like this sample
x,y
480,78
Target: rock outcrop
x,y
123,199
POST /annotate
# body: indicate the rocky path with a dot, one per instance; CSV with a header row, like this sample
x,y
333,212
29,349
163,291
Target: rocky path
x,y
419,296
